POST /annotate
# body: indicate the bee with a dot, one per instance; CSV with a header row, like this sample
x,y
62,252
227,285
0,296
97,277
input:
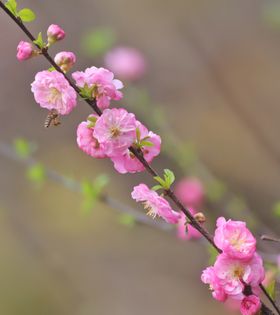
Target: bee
x,y
52,119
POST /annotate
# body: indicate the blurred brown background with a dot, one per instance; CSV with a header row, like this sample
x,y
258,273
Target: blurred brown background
x,y
214,65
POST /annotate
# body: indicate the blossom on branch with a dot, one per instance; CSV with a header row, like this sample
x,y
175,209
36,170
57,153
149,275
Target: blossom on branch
x,y
155,204
234,238
116,130
100,84
86,141
52,91
250,305
148,142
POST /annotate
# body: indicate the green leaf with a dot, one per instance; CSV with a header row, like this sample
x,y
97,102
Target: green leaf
x,y
27,15
36,173
270,288
97,42
39,41
127,220
138,135
51,69
146,144
169,177
160,180
156,187
22,148
276,209
11,5
86,92
212,254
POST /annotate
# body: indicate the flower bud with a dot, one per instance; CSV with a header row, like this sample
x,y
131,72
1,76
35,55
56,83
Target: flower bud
x,y
65,60
200,217
55,33
24,51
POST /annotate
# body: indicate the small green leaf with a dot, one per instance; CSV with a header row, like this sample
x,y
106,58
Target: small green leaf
x,y
138,135
270,288
212,254
39,41
160,180
36,173
11,5
27,15
169,177
146,144
22,147
51,69
156,187
127,220
86,92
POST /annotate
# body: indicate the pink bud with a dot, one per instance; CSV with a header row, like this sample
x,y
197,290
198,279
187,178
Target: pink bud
x,y
65,60
250,305
55,33
24,51
127,63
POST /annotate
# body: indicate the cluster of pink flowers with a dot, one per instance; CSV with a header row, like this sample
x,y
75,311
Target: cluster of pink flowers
x,y
51,89
238,268
101,84
111,135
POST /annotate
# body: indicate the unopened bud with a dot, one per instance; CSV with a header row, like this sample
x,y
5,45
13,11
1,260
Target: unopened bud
x,y
55,33
24,51
65,60
200,217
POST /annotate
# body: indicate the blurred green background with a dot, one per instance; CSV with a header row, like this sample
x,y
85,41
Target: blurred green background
x,y
213,69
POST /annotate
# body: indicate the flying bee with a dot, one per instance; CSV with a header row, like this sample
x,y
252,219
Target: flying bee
x,y
52,119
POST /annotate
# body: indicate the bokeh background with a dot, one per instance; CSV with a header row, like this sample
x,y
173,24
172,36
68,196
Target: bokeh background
x,y
213,70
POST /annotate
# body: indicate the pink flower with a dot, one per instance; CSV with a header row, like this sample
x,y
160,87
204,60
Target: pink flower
x,y
250,305
65,60
102,83
155,204
86,140
128,163
234,239
116,130
55,33
52,91
233,274
190,232
209,277
190,191
127,63
24,51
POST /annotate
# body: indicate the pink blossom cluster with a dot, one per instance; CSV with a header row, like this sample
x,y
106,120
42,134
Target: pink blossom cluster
x,y
101,84
111,135
238,268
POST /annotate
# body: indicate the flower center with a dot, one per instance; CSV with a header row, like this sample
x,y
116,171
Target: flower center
x,y
115,132
151,210
238,272
54,95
